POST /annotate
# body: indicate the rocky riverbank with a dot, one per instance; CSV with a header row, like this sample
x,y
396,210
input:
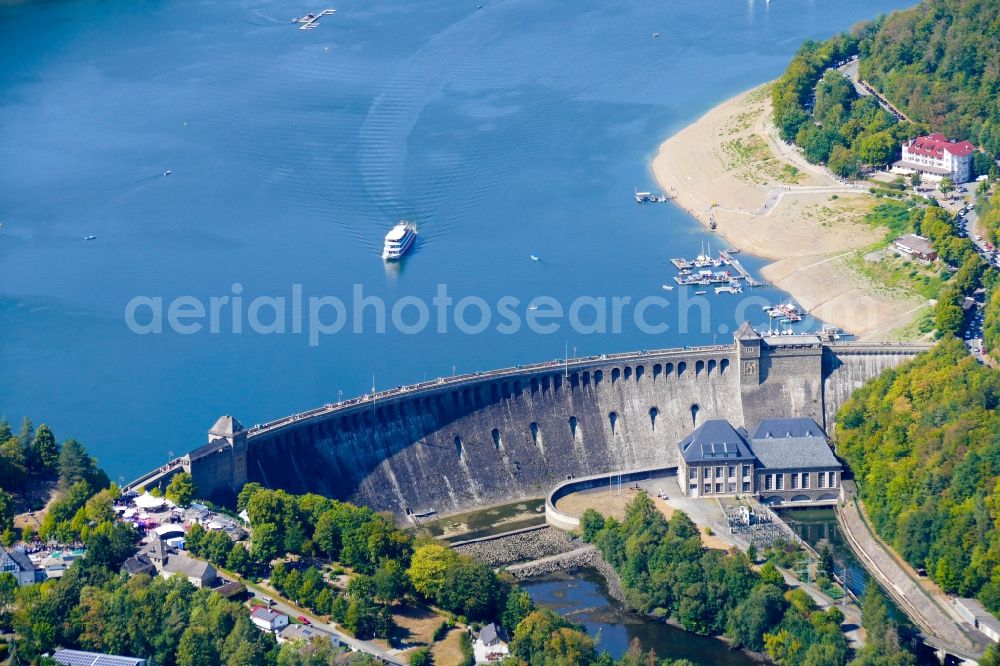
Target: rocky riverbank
x,y
520,547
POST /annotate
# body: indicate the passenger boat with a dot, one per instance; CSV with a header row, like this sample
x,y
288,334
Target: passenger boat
x,y
399,240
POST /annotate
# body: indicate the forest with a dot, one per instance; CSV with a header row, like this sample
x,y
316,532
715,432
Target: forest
x,y
923,442
667,572
937,62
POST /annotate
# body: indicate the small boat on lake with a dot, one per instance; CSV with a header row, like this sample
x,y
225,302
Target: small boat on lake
x,y
535,258
668,287
90,237
399,240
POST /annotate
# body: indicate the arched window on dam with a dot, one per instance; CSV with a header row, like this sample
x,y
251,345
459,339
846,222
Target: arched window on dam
x,y
613,418
573,427
694,415
657,371
681,367
653,413
534,385
723,366
711,366
627,373
699,367
615,374
598,376
639,372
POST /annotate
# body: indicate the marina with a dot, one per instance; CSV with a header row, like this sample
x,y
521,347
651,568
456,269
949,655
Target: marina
x,y
310,21
699,271
786,313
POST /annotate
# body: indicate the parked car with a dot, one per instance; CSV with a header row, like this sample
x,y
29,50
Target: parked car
x,y
304,620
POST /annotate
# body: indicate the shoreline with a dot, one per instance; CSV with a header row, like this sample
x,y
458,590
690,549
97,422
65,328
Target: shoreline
x,y
730,168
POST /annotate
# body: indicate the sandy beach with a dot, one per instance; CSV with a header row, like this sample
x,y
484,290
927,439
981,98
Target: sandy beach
x,y
731,167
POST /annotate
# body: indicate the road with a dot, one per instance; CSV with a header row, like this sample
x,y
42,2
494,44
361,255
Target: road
x,y
930,612
972,335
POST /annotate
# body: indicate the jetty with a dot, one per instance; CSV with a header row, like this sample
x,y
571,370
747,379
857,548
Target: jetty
x,y
310,21
701,271
727,256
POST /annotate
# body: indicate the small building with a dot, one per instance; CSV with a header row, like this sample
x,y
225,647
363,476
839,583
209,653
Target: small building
x,y
490,645
18,564
918,247
795,463
80,658
138,564
715,460
935,157
973,612
268,620
298,632
232,590
169,562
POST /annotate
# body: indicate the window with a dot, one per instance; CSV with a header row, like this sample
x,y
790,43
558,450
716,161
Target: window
x,y
795,480
718,472
768,481
718,488
732,487
779,481
805,480
693,473
9,566
746,486
693,489
821,479
746,471
833,479
708,488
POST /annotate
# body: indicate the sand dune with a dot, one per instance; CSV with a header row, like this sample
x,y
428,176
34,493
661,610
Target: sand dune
x,y
731,168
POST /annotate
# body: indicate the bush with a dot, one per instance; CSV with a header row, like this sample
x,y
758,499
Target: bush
x,y
442,630
421,657
465,645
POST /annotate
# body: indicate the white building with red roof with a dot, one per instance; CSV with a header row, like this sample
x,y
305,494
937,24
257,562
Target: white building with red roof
x,y
935,156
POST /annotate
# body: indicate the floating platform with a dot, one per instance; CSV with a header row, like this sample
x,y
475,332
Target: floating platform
x,y
704,263
649,197
310,21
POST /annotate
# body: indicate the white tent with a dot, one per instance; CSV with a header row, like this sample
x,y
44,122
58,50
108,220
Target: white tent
x,y
147,501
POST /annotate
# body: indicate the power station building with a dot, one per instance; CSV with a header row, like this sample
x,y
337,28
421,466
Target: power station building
x,y
785,461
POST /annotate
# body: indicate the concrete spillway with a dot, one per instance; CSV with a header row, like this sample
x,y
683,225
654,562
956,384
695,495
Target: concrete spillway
x,y
460,443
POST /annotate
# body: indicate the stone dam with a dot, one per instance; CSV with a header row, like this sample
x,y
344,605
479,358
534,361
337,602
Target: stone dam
x,y
455,444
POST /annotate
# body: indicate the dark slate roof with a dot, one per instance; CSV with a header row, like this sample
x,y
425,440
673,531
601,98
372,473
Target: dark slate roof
x,y
715,441
490,633
21,559
79,658
794,427
794,453
746,332
226,426
138,564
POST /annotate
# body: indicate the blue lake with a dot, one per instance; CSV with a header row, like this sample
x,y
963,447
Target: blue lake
x,y
516,129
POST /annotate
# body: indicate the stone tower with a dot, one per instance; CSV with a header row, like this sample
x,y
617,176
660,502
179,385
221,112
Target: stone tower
x,y
748,352
232,431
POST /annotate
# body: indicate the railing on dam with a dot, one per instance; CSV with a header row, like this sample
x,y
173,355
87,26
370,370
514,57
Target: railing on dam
x,y
547,366
474,377
563,521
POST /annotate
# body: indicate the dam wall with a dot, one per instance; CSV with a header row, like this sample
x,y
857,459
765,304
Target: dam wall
x,y
464,442
502,438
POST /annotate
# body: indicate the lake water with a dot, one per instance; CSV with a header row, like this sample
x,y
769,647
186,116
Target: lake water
x,y
582,597
516,129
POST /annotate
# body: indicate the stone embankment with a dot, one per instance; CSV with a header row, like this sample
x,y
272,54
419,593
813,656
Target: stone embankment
x,y
521,546
541,552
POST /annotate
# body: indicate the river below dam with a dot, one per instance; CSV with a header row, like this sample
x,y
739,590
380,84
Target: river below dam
x,y
581,596
165,159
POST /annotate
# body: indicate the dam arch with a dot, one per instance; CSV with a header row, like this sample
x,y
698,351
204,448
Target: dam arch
x,y
456,443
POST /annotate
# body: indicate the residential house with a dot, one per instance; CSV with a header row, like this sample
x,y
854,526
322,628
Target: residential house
x,y
918,247
298,632
490,645
17,563
171,562
267,619
80,658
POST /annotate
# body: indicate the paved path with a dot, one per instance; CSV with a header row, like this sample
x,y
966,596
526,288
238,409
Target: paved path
x,y
552,559
926,611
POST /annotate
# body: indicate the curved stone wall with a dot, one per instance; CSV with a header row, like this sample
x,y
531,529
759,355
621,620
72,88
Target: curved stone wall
x,y
464,442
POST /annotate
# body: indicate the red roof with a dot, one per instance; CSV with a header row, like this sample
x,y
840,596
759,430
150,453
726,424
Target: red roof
x,y
934,145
